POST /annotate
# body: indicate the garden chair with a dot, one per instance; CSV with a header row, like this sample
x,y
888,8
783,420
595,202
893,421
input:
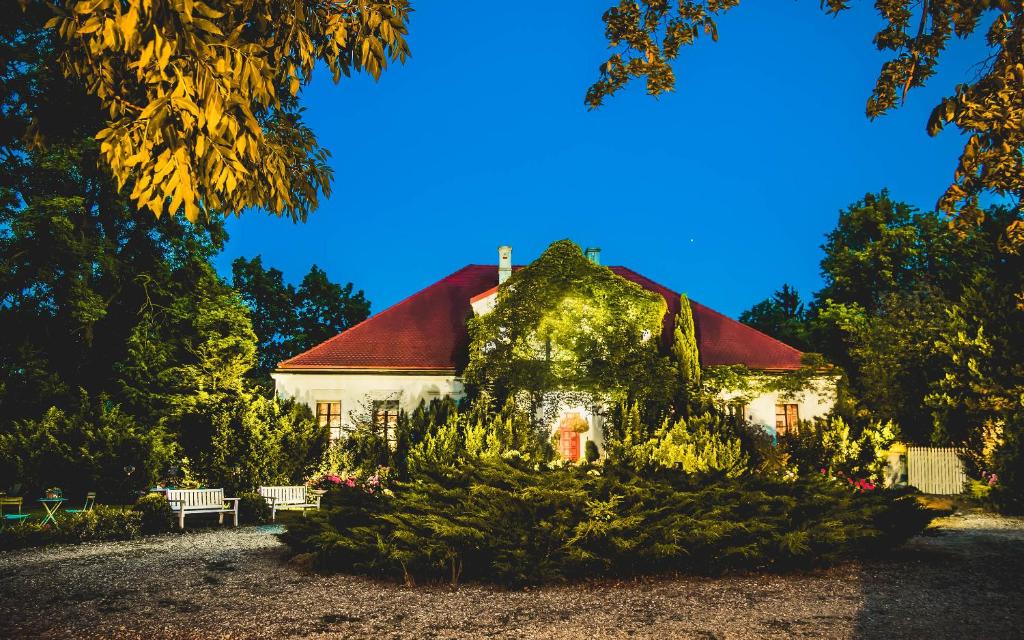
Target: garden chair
x,y
90,502
11,517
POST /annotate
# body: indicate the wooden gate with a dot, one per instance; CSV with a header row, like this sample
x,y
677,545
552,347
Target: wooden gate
x,y
935,470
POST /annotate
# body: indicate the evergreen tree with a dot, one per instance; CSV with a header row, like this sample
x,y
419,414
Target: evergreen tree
x,y
684,348
782,316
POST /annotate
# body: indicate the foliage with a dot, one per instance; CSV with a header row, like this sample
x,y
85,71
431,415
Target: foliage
x,y
493,522
684,349
833,445
155,513
479,434
289,320
590,452
101,523
564,329
253,508
202,101
782,316
699,445
244,440
126,307
86,449
647,36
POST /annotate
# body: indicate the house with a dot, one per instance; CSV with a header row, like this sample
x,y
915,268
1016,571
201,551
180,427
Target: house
x,y
416,349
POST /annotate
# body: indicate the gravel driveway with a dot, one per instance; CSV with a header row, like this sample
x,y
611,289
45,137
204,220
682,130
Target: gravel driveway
x,y
965,580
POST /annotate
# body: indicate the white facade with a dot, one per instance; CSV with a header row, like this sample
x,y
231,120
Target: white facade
x,y
356,390
816,401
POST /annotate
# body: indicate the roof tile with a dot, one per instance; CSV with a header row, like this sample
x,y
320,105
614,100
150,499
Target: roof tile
x,y
427,331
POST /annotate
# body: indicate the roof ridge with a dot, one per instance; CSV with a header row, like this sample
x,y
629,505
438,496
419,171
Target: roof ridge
x,y
380,313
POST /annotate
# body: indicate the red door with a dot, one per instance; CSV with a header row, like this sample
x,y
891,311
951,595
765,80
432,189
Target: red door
x,y
569,444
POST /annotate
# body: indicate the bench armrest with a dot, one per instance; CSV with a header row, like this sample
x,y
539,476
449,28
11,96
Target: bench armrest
x,y
231,499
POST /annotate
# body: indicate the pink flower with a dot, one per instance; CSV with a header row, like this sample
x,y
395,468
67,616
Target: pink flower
x,y
823,472
350,482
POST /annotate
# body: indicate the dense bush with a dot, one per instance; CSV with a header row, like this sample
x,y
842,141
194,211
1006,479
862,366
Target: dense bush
x,y
80,450
101,523
253,508
154,513
244,439
836,446
705,443
492,521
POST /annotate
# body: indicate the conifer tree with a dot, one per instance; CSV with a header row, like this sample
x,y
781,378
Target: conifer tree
x,y
684,348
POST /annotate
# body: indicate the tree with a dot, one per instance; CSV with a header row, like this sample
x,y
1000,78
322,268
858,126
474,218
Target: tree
x,y
684,344
324,309
288,321
201,102
782,316
647,36
271,305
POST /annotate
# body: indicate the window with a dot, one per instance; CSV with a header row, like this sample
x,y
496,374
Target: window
x,y
786,418
385,417
736,412
328,414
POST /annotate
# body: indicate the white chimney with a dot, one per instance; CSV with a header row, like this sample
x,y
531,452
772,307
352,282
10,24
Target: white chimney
x,y
504,263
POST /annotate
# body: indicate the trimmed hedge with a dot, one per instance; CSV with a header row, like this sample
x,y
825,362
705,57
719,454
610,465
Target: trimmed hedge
x,y
493,522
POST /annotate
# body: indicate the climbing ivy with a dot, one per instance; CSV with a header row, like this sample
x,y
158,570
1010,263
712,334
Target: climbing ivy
x,y
566,329
744,384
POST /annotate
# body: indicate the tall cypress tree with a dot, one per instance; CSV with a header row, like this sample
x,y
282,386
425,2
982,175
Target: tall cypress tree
x,y
684,345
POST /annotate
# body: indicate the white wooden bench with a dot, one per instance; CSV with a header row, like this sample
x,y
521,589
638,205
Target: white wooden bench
x,y
201,501
288,498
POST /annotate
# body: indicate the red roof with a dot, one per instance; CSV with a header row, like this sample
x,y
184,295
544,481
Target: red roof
x,y
427,331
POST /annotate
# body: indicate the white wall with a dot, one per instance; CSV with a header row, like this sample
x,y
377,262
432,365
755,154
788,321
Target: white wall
x,y
354,390
814,402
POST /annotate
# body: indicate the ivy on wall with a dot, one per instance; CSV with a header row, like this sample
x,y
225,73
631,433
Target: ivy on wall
x,y
566,329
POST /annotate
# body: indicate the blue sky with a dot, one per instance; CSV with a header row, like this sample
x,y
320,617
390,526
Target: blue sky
x,y
723,189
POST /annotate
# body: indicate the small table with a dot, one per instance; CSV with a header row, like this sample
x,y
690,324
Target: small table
x,y
52,506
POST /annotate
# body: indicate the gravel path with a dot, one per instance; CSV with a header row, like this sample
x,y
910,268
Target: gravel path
x,y
964,580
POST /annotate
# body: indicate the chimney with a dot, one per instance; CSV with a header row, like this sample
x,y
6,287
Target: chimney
x,y
504,263
593,254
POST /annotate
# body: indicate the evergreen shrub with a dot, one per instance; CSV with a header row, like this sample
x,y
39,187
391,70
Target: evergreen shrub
x,y
253,508
494,522
155,513
101,523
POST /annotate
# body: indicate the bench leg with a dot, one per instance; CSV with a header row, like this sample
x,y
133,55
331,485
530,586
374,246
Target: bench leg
x,y
181,519
235,513
220,518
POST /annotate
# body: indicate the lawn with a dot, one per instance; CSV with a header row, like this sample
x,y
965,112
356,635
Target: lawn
x,y
962,579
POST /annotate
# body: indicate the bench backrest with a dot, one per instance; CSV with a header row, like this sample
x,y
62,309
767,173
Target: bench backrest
x,y
196,498
285,495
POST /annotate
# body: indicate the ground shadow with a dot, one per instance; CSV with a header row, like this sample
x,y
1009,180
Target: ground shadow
x,y
951,583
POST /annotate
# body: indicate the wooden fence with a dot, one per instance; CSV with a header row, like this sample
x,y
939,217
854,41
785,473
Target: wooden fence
x,y
935,470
